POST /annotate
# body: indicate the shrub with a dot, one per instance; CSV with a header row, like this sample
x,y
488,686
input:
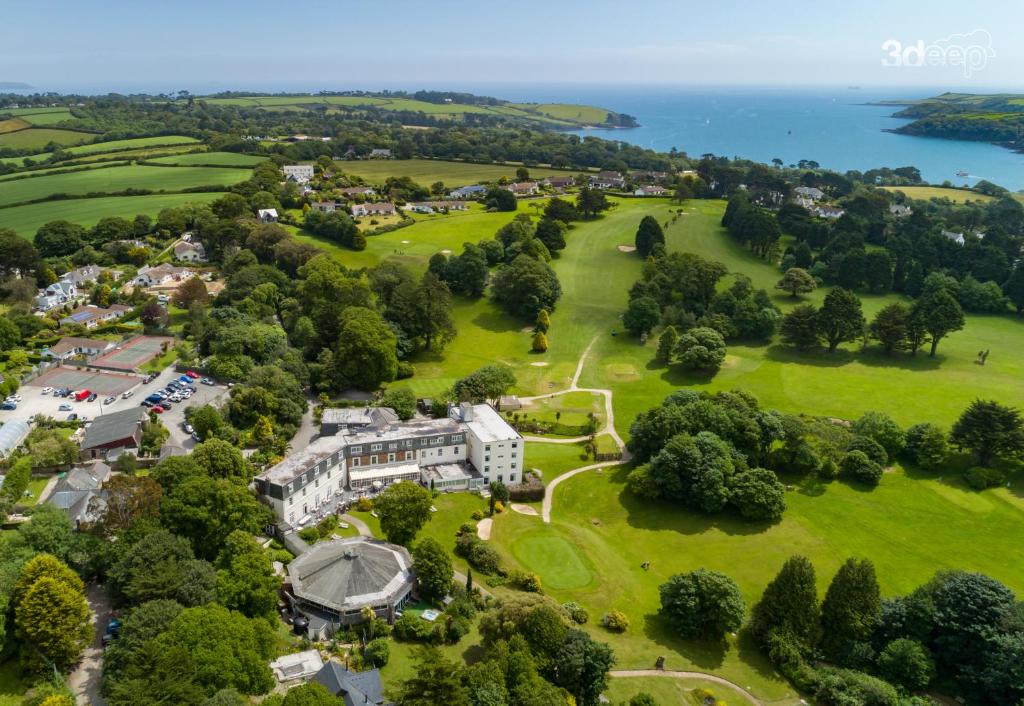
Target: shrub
x,y
828,470
484,558
525,581
615,621
364,504
871,448
456,629
576,612
926,445
377,652
881,428
531,490
906,663
309,535
477,515
327,525
466,528
981,477
857,466
499,507
404,370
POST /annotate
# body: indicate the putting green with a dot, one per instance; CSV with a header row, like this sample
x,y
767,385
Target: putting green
x,y
557,562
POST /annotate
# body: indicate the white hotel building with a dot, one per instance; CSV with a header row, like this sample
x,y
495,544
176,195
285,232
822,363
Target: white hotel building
x,y
363,449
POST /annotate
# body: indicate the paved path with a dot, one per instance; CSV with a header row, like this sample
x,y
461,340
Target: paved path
x,y
85,680
644,673
361,527
609,428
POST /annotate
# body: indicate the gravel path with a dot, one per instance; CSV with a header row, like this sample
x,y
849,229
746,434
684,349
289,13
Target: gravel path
x,y
644,673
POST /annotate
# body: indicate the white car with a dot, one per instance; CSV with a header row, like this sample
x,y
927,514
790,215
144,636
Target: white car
x,y
47,390
128,394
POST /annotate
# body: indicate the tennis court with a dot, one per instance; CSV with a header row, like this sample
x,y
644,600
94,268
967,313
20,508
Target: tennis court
x,y
133,353
100,383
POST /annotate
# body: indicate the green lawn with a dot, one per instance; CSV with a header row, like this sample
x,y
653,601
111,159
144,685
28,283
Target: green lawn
x,y
26,220
39,137
587,114
217,159
572,409
671,692
428,171
554,459
37,483
116,179
939,192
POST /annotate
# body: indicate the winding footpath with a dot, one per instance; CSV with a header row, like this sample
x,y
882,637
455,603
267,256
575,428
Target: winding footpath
x,y
609,428
703,676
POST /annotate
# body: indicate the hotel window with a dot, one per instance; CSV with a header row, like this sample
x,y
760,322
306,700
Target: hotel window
x,y
511,477
487,469
456,437
487,448
328,475
455,450
487,458
317,482
356,450
439,440
515,444
376,447
291,500
355,462
373,459
391,458
303,492
512,465
392,446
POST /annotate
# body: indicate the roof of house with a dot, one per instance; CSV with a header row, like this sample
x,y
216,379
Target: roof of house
x,y
71,343
113,426
375,207
164,270
90,312
355,688
267,212
359,416
182,246
297,665
487,425
343,574
471,189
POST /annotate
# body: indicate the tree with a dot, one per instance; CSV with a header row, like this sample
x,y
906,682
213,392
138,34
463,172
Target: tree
x,y
581,667
590,202
153,316
701,348
797,281
926,445
403,508
59,238
702,604
377,652
500,199
191,291
800,327
485,384
435,681
857,466
642,315
539,343
551,232
788,606
561,210
433,568
364,353
52,620
222,460
246,581
206,421
525,286
648,235
543,322
840,318
159,566
130,498
881,427
939,314
49,531
10,335
850,610
667,342
206,510
400,399
432,312
758,494
890,327
989,430
694,470
906,663
1013,288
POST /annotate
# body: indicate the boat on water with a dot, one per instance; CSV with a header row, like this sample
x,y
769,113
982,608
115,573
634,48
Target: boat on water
x,y
962,173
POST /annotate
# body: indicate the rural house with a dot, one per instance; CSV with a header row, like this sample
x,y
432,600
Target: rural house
x,y
162,275
900,211
80,493
435,206
650,191
189,251
354,688
299,173
69,347
353,191
267,215
92,316
112,433
468,192
380,153
559,182
607,180
373,209
523,188
55,295
324,206
809,192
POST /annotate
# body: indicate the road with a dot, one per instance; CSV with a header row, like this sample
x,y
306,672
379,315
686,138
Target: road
x,y
85,680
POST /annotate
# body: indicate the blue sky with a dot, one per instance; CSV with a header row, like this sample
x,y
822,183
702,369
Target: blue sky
x,y
204,45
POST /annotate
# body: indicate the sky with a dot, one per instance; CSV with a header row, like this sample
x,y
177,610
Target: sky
x,y
208,45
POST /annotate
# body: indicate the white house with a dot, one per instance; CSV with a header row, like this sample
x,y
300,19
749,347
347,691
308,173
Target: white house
x,y
651,191
809,192
380,153
608,180
899,210
435,206
373,209
324,206
70,346
161,275
267,215
957,238
299,173
350,191
468,192
826,211
55,295
92,316
189,251
523,188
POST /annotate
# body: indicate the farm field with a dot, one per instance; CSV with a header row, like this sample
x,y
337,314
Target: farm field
x,y
938,192
39,137
13,125
104,147
26,220
217,159
46,116
566,111
114,179
428,171
31,174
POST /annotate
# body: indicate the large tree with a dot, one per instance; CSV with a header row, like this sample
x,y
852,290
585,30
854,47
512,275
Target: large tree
x,y
435,680
648,235
989,430
850,610
840,318
701,348
797,281
486,384
642,315
889,327
800,327
403,508
590,202
939,314
525,286
433,568
364,354
788,606
59,238
52,620
206,510
130,498
581,667
246,581
702,604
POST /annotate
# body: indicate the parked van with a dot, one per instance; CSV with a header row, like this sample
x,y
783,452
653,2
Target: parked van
x,y
81,395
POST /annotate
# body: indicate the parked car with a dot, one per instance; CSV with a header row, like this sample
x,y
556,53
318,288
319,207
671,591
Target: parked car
x,y
72,417
188,428
127,394
158,409
47,390
92,397
109,400
9,405
195,436
207,381
64,408
146,403
185,380
192,374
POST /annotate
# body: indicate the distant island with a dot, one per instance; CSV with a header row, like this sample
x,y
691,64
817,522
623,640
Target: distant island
x,y
14,86
995,118
444,105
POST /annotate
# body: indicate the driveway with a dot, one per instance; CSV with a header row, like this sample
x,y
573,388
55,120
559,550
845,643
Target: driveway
x,y
85,680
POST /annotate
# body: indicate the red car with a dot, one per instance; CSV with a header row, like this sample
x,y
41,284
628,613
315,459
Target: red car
x,y
157,408
192,374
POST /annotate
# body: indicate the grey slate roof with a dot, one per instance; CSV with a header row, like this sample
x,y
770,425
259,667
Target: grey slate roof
x,y
347,574
359,416
79,493
112,427
355,688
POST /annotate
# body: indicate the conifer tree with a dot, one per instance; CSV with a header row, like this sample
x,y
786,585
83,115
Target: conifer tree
x,y
850,610
789,605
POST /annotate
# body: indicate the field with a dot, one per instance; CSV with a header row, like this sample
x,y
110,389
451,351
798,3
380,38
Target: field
x,y
925,193
216,159
25,220
564,111
46,116
103,147
115,179
672,691
13,125
428,171
15,176
600,534
39,137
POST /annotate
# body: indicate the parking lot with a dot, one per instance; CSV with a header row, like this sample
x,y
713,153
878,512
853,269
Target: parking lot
x,y
34,402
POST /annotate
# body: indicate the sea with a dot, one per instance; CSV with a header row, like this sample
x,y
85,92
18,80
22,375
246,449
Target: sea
x,y
838,127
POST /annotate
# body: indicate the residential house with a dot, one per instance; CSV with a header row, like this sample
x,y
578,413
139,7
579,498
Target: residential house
x,y
900,211
162,275
354,688
523,188
87,275
559,182
189,251
112,433
299,173
957,238
267,215
809,192
607,180
80,493
70,346
373,209
298,665
352,191
380,153
435,206
324,206
825,211
651,175
56,295
650,191
468,192
92,316
467,449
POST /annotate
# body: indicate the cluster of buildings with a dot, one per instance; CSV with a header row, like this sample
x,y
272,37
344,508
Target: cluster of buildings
x,y
71,287
810,196
90,316
363,450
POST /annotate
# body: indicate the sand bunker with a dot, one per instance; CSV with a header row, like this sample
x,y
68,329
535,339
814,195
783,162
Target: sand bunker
x,y
406,242
627,248
539,365
446,252
523,509
483,529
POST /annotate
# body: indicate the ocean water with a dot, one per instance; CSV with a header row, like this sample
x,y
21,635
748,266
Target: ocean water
x,y
833,127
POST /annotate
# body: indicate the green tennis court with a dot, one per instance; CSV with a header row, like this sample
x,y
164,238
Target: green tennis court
x,y
134,353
